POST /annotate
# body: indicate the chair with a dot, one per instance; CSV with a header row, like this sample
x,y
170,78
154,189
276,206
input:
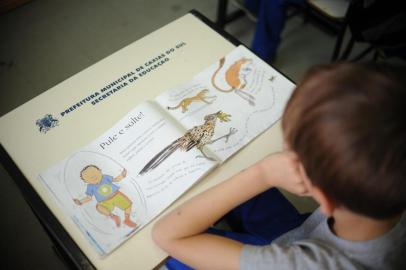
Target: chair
x,y
223,18
380,24
332,14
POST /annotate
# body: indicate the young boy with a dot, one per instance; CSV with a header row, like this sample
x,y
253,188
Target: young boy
x,y
345,136
107,194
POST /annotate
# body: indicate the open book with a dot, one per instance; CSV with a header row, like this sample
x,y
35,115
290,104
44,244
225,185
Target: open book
x,y
119,182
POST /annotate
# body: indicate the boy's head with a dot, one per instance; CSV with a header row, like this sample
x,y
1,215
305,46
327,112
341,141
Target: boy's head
x,y
91,174
347,124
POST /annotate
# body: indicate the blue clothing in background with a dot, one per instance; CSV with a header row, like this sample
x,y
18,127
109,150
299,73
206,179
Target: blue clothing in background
x,y
271,15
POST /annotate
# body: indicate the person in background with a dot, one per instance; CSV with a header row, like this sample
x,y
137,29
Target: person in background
x,y
271,16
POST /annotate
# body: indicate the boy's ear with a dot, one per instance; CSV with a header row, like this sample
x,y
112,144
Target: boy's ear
x,y
327,206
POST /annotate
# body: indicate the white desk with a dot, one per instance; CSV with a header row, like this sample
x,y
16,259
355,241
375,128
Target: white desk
x,y
32,151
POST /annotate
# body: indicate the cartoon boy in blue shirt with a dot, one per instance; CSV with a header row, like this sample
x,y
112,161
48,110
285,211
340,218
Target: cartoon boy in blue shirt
x,y
107,194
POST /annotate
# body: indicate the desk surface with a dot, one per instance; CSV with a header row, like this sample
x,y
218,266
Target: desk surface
x,y
33,151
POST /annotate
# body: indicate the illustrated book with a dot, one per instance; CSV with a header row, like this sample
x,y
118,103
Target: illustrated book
x,y
115,185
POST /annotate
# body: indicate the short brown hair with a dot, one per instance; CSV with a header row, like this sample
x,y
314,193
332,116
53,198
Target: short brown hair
x,y
346,123
87,167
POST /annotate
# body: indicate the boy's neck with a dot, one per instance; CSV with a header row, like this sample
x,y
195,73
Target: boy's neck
x,y
354,227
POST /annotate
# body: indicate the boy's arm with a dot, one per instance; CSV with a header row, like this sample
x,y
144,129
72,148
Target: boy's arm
x,y
121,176
180,233
82,201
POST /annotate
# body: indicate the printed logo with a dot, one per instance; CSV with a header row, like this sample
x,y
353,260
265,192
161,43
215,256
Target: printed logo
x,y
46,123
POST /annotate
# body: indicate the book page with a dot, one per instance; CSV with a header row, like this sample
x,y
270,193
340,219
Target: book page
x,y
229,103
118,183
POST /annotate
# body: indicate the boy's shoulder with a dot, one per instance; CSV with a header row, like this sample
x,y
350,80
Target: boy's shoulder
x,y
314,246
305,254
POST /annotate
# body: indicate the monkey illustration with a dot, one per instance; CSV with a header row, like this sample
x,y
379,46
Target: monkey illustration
x,y
235,78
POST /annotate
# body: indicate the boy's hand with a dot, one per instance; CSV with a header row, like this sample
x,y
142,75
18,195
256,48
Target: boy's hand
x,y
78,202
121,176
124,173
283,170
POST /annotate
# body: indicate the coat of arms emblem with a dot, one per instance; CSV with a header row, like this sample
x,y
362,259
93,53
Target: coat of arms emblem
x,y
46,123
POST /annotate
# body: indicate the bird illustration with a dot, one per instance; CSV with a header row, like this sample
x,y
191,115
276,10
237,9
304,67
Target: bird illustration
x,y
197,136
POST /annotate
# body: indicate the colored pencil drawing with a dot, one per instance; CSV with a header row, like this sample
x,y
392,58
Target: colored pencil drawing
x,y
106,193
199,97
198,137
235,77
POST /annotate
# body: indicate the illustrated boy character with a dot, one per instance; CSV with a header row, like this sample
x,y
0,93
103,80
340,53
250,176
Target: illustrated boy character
x,y
107,194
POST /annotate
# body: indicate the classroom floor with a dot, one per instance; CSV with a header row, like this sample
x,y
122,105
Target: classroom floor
x,y
46,41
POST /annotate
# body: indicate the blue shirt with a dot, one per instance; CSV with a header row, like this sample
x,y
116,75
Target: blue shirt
x,y
103,190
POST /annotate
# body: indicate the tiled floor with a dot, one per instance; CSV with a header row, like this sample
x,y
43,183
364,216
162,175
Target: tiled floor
x,y
46,41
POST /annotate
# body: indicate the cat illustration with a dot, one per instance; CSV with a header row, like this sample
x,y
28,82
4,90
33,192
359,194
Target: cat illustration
x,y
235,78
201,96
